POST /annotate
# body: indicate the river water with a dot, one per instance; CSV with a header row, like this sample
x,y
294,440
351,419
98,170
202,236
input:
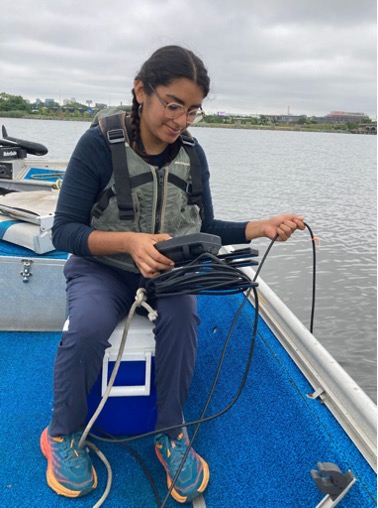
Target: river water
x,y
328,178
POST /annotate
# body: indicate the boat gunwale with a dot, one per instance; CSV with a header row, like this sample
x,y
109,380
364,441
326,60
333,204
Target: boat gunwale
x,y
354,410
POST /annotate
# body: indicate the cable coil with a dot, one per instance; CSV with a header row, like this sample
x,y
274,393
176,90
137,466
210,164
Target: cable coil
x,y
206,275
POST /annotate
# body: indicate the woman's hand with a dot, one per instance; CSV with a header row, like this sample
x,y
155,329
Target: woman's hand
x,y
284,225
148,259
139,245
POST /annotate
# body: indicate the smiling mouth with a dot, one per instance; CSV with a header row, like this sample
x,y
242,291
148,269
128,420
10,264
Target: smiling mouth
x,y
173,131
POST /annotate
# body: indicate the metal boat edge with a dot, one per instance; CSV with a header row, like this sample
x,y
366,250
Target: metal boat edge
x,y
349,404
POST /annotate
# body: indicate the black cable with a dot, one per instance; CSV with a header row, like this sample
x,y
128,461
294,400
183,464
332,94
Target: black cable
x,y
210,275
206,275
136,456
264,257
313,239
203,418
314,262
201,291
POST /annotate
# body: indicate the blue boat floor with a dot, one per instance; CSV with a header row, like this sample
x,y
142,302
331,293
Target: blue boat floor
x,y
260,452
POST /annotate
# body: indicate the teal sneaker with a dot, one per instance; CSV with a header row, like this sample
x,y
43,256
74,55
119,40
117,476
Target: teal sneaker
x,y
195,474
69,469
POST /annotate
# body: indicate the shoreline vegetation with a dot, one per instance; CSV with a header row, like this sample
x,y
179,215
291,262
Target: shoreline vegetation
x,y
294,127
15,106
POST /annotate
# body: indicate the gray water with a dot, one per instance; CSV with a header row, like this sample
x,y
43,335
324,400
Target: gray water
x,y
328,178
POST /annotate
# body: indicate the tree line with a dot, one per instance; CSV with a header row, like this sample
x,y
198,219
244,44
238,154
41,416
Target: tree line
x,y
16,106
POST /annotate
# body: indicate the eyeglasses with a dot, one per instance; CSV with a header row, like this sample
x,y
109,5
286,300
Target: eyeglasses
x,y
173,110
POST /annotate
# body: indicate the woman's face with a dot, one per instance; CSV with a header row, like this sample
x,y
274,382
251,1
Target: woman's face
x,y
157,130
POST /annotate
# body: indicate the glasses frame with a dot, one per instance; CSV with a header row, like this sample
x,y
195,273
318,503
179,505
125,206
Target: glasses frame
x,y
168,114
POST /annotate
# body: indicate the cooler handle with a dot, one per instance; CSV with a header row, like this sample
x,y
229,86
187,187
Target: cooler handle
x,y
127,391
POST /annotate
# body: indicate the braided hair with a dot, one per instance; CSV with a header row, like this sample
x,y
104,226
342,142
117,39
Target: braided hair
x,y
165,65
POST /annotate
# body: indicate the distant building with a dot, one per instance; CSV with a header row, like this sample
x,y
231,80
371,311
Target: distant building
x,y
333,117
66,102
343,117
367,128
285,118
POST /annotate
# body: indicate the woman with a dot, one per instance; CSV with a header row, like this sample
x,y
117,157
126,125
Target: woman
x,y
110,255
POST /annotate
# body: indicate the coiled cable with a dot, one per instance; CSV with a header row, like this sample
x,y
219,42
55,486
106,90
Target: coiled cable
x,y
206,275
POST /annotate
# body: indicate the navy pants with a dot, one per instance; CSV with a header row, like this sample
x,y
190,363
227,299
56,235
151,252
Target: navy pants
x,y
99,296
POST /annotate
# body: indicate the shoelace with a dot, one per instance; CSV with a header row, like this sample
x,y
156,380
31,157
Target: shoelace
x,y
70,450
178,448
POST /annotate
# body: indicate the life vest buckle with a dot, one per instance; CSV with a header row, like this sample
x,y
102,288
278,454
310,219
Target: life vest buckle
x,y
186,140
116,136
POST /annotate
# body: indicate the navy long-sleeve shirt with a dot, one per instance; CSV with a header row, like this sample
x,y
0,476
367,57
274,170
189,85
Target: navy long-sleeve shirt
x,y
88,173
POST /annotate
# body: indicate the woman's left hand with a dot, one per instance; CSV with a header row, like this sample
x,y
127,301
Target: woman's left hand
x,y
282,225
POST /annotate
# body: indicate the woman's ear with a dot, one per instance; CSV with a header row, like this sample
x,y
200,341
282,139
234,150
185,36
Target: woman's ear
x,y
139,91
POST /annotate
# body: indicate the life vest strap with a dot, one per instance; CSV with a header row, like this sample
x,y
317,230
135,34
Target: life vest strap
x,y
115,129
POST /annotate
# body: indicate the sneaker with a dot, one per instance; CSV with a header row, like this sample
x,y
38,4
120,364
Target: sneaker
x,y
69,469
194,476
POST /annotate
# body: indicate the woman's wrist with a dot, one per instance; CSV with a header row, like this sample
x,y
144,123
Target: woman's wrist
x,y
254,229
103,243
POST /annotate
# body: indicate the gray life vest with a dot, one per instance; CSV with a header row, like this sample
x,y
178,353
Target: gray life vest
x,y
155,200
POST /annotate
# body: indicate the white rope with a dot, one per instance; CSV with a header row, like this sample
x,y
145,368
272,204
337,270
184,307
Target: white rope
x,y
140,301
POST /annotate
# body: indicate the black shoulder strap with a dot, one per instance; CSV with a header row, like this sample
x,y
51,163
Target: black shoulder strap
x,y
113,129
196,189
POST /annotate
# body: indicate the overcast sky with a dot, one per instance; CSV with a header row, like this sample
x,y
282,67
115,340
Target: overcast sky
x,y
263,56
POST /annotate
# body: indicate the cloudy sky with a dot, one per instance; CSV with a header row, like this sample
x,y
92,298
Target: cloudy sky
x,y
263,56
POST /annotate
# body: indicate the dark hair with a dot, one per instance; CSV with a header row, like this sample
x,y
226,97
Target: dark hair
x,y
165,65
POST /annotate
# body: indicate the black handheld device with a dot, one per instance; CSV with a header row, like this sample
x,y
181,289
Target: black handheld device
x,y
183,249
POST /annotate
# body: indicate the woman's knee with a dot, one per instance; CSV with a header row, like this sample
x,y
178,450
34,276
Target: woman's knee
x,y
178,310
88,333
